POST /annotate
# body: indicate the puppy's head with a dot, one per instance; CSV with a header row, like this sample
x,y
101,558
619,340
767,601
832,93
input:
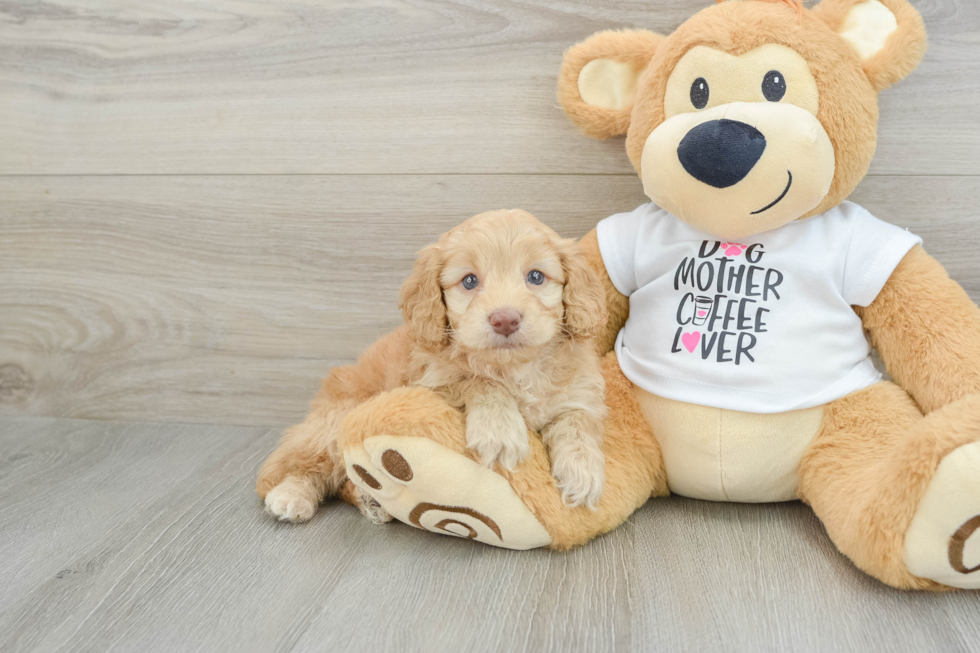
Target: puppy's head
x,y
504,285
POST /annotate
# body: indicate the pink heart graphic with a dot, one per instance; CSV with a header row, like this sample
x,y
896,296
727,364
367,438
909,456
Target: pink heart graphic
x,y
702,313
691,340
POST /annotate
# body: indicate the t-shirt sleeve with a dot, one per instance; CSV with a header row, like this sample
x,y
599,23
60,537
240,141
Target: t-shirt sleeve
x,y
618,235
875,250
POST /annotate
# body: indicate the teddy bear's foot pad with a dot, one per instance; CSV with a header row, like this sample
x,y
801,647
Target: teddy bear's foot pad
x,y
431,487
943,541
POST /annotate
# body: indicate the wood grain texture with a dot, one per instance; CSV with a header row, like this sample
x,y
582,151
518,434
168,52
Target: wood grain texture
x,y
374,86
149,537
205,205
226,299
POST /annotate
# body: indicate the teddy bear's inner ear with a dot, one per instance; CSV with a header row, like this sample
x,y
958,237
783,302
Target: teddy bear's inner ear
x,y
867,28
887,35
598,81
608,84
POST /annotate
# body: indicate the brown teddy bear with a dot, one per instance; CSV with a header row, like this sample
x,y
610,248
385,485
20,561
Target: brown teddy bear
x,y
738,302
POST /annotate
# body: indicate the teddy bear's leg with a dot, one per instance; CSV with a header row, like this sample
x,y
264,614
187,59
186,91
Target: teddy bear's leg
x,y
899,493
407,450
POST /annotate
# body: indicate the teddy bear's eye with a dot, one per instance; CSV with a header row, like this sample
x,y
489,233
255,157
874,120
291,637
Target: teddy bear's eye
x,y
535,277
700,93
470,281
774,86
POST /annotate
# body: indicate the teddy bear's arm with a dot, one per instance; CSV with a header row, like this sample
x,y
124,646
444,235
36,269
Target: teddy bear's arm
x,y
927,331
617,304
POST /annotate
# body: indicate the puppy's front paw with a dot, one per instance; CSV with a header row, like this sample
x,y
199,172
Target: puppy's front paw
x,y
580,469
503,440
293,500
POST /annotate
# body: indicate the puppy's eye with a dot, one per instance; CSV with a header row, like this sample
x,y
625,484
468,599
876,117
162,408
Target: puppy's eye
x,y
700,93
536,277
470,281
774,86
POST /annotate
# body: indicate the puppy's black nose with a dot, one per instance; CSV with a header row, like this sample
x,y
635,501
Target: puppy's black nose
x,y
721,152
505,321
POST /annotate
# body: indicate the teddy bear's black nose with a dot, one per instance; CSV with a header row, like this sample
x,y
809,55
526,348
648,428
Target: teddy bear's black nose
x,y
721,152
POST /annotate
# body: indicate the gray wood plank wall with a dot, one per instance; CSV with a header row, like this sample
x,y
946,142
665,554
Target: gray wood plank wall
x,y
204,207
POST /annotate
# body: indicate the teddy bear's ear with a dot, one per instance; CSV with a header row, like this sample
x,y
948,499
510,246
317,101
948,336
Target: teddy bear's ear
x,y
597,85
888,35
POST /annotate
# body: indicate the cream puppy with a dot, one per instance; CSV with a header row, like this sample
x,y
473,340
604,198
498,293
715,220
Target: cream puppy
x,y
500,319
503,312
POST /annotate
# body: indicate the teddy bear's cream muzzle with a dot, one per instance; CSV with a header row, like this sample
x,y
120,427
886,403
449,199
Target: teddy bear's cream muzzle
x,y
739,169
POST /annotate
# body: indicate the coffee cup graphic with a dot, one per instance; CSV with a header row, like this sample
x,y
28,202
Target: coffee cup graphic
x,y
702,307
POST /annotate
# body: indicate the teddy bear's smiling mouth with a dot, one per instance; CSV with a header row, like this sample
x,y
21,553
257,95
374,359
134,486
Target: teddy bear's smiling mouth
x,y
778,199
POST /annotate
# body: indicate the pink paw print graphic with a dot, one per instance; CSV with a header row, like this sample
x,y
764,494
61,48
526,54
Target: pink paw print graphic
x,y
733,249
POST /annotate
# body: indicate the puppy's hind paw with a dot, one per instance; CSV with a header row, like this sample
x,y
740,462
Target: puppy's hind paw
x,y
368,505
292,500
581,475
374,512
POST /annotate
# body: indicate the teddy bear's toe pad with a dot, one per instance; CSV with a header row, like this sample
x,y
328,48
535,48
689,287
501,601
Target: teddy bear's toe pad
x,y
943,541
429,486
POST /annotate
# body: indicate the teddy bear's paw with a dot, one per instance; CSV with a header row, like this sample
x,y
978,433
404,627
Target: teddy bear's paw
x,y
429,486
580,469
293,500
943,540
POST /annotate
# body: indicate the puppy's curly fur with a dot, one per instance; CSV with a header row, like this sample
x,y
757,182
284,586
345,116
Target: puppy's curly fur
x,y
543,374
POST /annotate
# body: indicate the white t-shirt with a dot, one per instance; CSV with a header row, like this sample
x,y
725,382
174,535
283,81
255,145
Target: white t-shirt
x,y
763,326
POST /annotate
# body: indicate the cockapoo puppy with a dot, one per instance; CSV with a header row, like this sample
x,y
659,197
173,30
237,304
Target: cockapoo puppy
x,y
500,319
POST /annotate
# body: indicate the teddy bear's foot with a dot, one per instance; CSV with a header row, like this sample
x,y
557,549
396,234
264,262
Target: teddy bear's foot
x,y
429,486
943,540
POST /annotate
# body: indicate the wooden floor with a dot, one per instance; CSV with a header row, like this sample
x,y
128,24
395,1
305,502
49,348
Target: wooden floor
x,y
204,205
148,537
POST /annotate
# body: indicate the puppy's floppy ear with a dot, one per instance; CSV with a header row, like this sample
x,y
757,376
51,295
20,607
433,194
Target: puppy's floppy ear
x,y
597,84
583,297
888,35
421,301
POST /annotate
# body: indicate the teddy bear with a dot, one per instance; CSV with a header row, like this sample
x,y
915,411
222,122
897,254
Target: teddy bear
x,y
743,304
